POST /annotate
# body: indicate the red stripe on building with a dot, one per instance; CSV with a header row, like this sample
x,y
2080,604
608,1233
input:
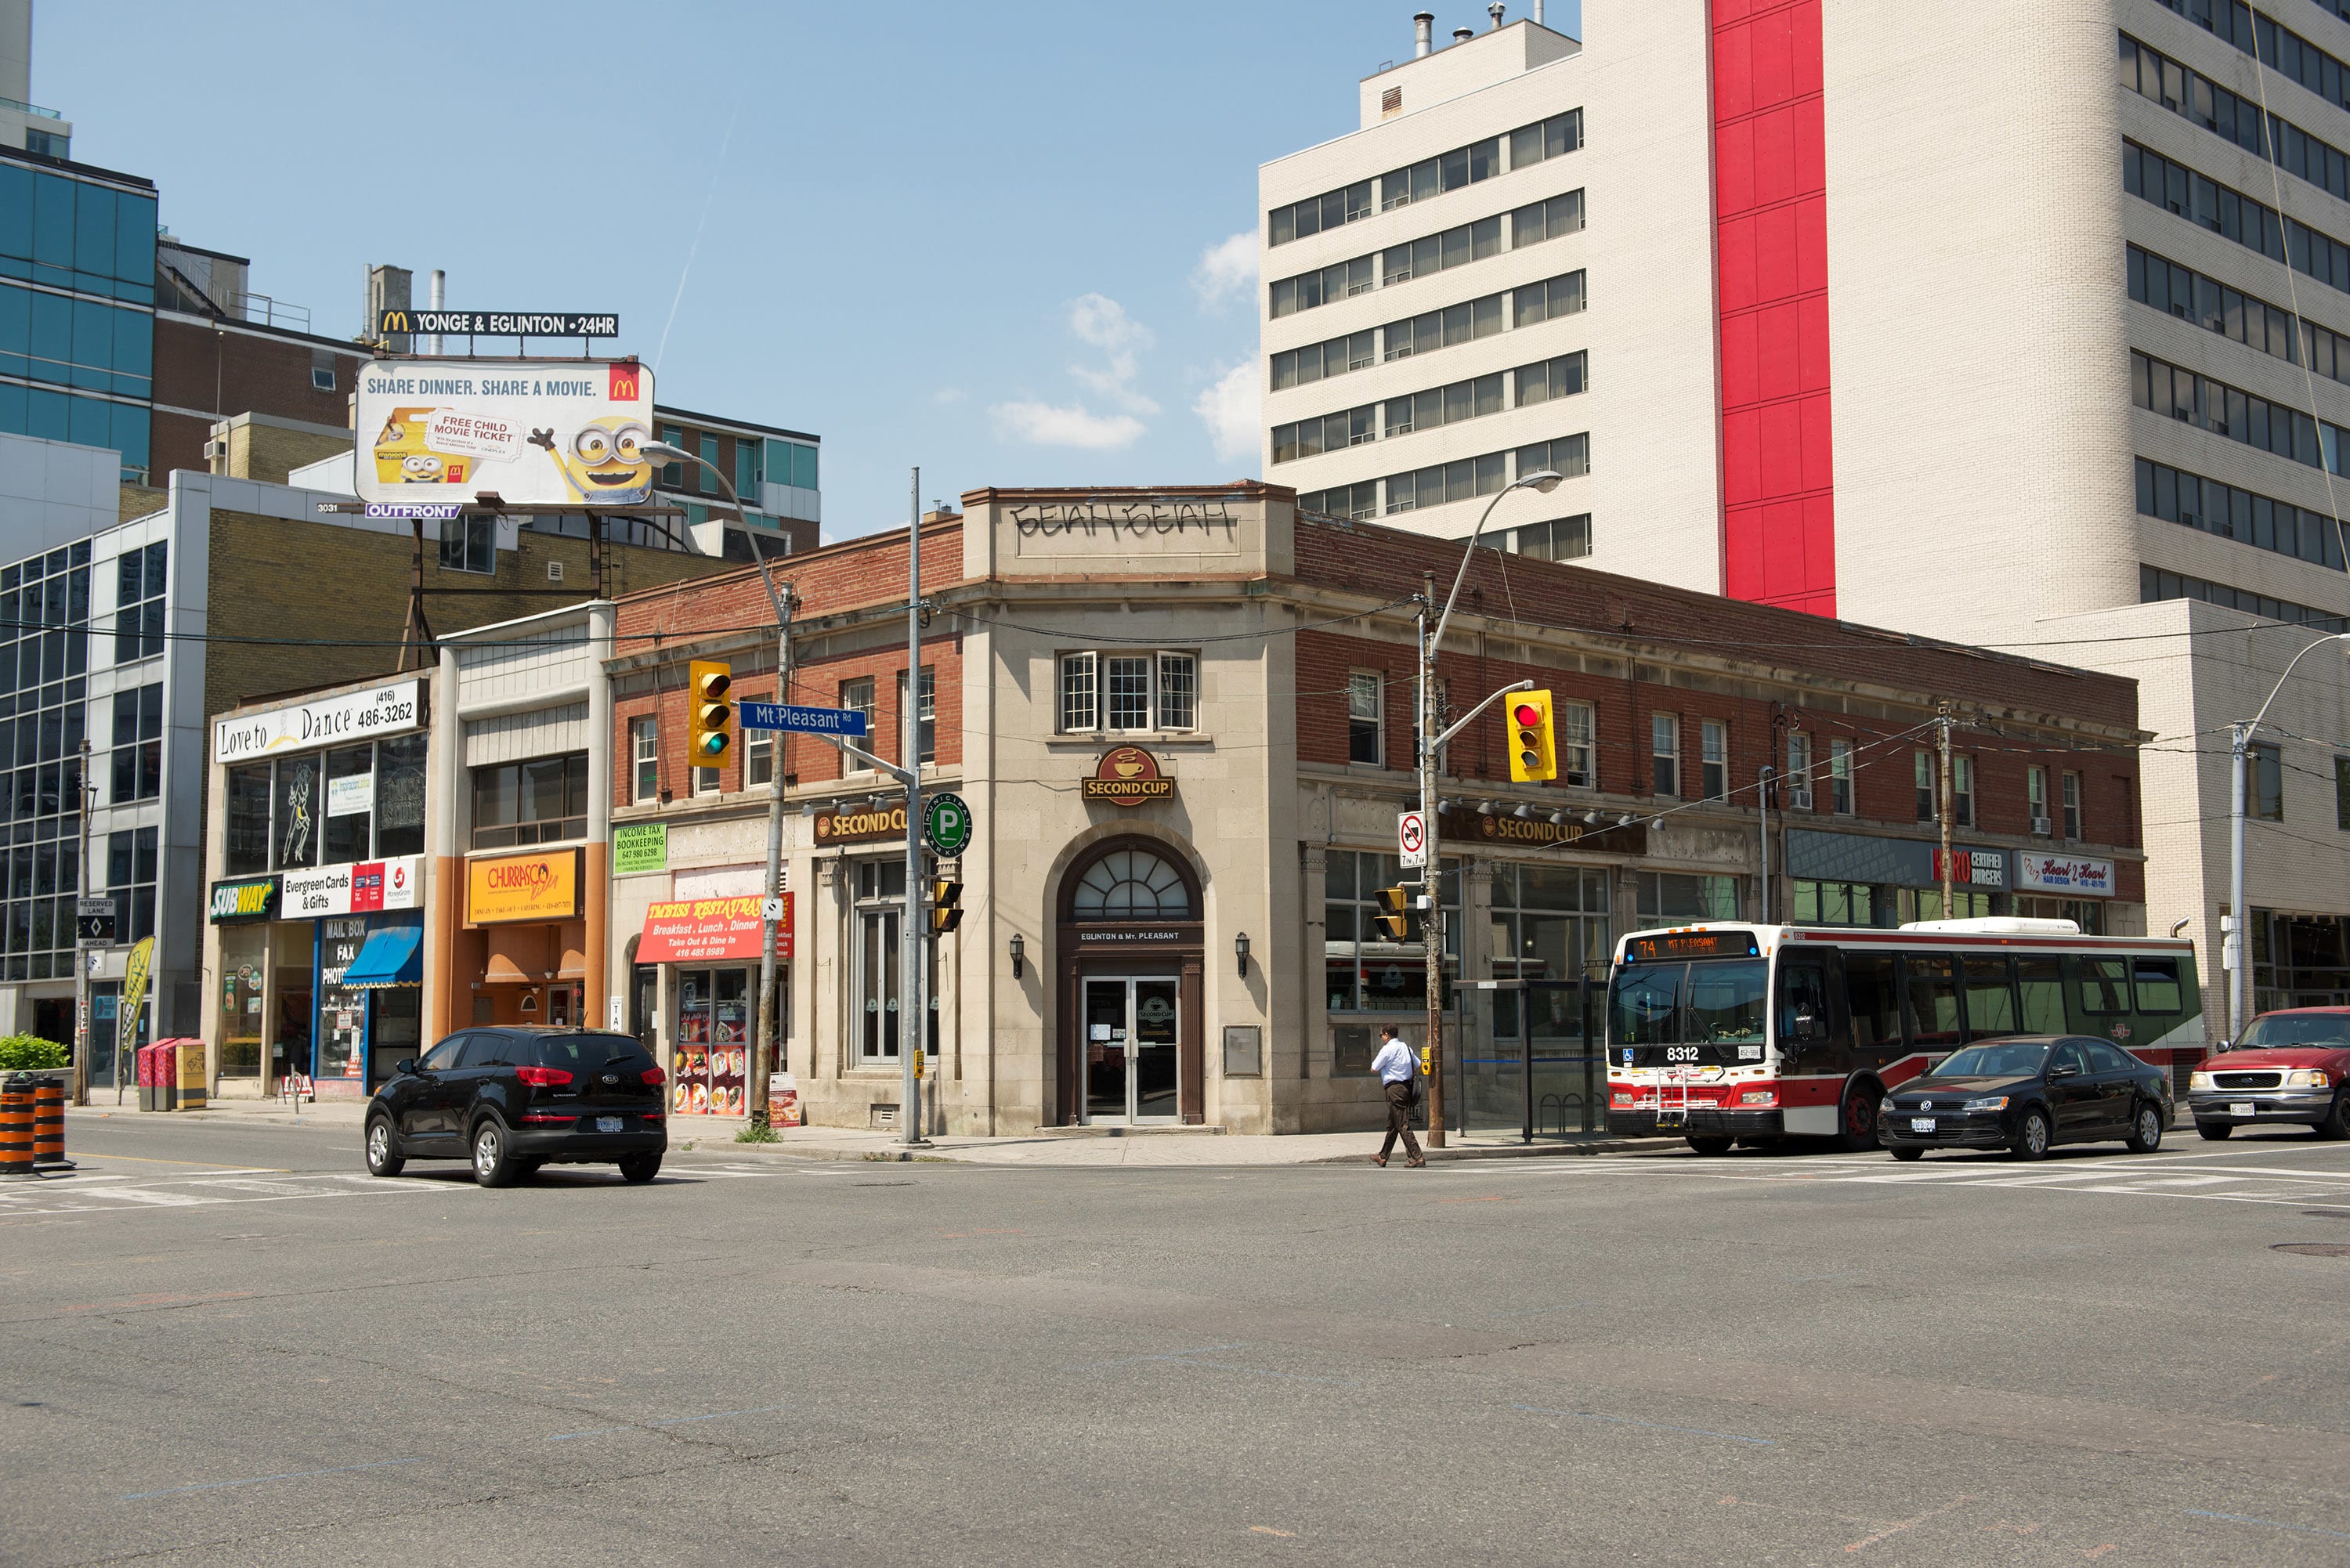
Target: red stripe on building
x,y
1770,207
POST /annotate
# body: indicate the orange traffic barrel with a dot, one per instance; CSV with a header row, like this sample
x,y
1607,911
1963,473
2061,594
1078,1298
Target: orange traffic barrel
x,y
49,1124
15,1132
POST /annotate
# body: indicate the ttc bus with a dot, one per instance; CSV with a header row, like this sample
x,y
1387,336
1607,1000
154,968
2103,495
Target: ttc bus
x,y
1725,1032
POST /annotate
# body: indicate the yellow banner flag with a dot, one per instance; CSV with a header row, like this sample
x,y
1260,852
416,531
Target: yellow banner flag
x,y
134,994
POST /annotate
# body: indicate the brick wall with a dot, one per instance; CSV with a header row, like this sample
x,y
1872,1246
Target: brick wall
x,y
218,372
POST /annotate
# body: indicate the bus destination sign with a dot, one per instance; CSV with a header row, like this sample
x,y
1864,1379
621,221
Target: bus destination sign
x,y
1690,945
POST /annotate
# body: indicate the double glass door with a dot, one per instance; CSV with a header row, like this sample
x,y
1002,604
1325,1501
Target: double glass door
x,y
1131,1029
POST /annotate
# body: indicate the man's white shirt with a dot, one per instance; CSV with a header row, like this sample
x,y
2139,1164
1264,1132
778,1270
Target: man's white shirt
x,y
1394,1064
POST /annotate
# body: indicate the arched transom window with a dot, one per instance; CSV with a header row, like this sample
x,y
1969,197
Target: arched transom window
x,y
1131,885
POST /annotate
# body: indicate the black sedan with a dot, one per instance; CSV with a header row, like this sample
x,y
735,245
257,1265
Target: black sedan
x,y
2026,1095
511,1100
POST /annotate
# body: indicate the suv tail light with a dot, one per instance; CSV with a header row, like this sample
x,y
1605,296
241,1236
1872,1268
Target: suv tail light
x,y
655,1076
543,1077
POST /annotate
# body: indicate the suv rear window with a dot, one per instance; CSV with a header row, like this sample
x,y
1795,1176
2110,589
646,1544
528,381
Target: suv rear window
x,y
592,1052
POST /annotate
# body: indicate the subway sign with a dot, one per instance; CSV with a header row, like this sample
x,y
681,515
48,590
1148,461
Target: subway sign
x,y
253,899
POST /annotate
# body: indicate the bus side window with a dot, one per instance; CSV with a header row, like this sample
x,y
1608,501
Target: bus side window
x,y
1991,999
2104,984
1932,985
1875,1002
2041,982
2157,980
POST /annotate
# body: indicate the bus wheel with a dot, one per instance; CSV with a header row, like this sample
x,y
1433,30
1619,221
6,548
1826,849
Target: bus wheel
x,y
1712,1147
1857,1120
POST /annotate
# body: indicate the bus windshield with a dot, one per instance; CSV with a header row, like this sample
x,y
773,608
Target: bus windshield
x,y
1706,1003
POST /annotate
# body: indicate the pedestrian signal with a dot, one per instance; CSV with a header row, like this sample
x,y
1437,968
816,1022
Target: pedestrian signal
x,y
712,715
946,905
1395,924
1533,743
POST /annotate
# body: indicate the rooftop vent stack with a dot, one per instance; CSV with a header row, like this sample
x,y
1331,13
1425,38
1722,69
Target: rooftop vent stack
x,y
1462,35
438,294
1538,16
1422,35
1494,11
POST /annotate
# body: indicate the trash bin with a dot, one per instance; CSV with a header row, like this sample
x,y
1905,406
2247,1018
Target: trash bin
x,y
195,1083
146,1060
167,1074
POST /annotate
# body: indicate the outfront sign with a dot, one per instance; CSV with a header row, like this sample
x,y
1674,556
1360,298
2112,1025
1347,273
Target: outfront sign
x,y
698,931
535,432
2064,874
507,888
389,709
406,323
1128,776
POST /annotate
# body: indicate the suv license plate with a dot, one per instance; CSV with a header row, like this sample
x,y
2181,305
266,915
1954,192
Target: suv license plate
x,y
1921,1123
607,1124
2244,1108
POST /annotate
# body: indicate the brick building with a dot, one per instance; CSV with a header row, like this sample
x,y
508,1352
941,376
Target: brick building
x,y
1196,947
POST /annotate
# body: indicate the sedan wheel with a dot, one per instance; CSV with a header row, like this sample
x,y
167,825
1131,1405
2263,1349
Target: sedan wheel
x,y
494,1166
381,1160
2146,1129
2031,1137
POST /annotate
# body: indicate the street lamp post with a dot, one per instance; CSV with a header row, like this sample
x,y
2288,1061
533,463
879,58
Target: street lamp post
x,y
2234,955
771,888
1429,744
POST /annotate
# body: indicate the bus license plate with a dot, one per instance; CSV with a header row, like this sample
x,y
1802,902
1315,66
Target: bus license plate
x,y
1921,1123
2244,1108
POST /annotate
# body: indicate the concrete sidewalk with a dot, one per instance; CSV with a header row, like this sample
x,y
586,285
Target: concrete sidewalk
x,y
707,1135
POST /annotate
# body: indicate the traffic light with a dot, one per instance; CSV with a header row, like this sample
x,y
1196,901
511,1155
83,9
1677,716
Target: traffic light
x,y
1533,743
946,905
713,716
1395,924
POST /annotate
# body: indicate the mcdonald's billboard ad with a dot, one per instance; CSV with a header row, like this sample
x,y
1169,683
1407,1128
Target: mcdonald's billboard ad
x,y
535,432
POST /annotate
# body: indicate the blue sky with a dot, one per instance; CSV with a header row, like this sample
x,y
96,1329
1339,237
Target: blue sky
x,y
972,237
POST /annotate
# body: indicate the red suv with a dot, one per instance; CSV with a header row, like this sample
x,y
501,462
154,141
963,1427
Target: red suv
x,y
2290,1067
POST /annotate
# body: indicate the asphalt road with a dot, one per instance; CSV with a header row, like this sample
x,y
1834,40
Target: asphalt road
x,y
227,1345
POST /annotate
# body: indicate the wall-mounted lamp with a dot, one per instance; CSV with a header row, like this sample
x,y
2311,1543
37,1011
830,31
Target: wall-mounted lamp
x,y
1523,812
1240,951
1019,952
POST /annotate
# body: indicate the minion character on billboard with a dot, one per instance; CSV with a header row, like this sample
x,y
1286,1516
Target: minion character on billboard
x,y
401,456
606,464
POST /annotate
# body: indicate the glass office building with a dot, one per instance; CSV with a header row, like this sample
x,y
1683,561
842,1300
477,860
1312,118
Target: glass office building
x,y
77,306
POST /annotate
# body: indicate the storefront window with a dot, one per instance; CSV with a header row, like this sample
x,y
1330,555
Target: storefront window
x,y
881,899
543,801
297,812
350,802
2089,914
248,820
1681,896
245,962
343,1011
1365,971
1550,922
1926,903
400,795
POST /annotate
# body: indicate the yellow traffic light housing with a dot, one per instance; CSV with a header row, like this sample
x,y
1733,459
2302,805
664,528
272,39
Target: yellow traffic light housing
x,y
946,905
712,716
1533,738
1395,923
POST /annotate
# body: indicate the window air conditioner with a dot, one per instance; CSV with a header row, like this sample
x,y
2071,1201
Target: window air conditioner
x,y
2043,827
216,449
1799,799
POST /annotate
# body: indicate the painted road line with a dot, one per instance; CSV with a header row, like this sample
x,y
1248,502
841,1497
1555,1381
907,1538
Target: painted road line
x,y
1652,1425
257,1481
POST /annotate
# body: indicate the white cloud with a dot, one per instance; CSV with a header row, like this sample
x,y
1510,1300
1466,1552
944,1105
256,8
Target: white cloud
x,y
1047,424
1231,408
1103,322
1226,268
948,395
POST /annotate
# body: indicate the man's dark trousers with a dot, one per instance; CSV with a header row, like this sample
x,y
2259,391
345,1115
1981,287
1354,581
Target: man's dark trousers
x,y
1400,1121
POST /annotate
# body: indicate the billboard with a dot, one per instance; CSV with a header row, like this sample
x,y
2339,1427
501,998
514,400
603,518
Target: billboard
x,y
535,432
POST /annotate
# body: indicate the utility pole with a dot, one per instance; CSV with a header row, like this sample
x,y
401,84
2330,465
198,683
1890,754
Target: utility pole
x,y
1762,790
2233,951
770,1026
913,1032
1943,811
82,1033
1431,870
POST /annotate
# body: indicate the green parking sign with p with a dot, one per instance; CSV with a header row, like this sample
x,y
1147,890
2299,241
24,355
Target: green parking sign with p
x,y
946,824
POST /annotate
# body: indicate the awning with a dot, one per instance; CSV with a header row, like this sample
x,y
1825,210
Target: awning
x,y
392,956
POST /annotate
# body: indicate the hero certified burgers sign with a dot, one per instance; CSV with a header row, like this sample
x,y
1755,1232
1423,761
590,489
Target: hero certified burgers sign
x,y
1128,776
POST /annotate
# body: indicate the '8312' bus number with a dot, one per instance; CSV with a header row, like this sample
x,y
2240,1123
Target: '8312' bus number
x,y
1680,1054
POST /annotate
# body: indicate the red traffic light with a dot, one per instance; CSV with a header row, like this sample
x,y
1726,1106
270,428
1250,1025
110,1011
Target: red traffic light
x,y
1526,714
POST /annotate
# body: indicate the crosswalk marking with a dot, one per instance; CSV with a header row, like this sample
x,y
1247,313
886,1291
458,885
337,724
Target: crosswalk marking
x,y
97,1195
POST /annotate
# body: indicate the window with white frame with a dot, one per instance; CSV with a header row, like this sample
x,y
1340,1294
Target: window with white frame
x,y
1665,753
880,896
644,758
2072,806
1799,762
2036,789
1365,710
858,694
758,751
1576,726
1962,791
1713,738
927,715
1126,692
1922,767
1840,777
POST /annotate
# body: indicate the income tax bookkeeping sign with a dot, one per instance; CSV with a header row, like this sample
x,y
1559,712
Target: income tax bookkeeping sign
x,y
535,432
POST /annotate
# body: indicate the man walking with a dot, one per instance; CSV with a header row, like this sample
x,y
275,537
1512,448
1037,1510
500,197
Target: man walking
x,y
1399,1072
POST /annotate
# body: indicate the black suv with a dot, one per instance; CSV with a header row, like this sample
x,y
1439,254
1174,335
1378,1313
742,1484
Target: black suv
x,y
514,1098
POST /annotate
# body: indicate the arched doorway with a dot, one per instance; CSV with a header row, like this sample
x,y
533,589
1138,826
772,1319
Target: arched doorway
x,y
1132,1047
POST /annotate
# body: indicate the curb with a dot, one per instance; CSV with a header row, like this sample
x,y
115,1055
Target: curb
x,y
1520,1151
